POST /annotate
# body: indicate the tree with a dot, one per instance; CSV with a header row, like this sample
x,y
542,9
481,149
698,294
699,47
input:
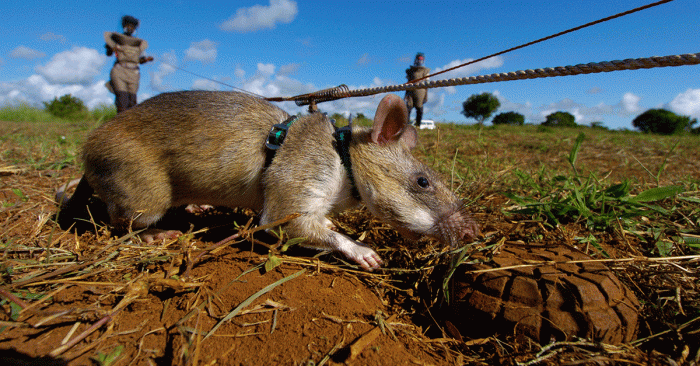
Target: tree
x,y
663,122
509,118
560,119
362,120
598,125
340,119
67,106
480,106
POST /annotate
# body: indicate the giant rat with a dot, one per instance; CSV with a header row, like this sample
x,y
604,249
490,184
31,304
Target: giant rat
x,y
206,147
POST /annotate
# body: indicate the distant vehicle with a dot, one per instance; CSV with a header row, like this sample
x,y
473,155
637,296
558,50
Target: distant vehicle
x,y
427,124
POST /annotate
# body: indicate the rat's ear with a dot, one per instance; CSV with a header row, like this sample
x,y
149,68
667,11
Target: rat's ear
x,y
409,136
390,119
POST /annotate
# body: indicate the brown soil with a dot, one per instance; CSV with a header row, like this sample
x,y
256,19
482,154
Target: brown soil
x,y
320,314
160,304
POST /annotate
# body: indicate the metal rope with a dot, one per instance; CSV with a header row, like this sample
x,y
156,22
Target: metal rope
x,y
548,37
590,68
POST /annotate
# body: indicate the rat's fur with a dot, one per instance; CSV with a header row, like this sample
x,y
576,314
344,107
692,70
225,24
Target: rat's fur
x,y
199,147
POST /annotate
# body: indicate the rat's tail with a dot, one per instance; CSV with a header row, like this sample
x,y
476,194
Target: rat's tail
x,y
70,205
61,195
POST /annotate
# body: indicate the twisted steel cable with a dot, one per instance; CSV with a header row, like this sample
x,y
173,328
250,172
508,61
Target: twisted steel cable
x,y
589,68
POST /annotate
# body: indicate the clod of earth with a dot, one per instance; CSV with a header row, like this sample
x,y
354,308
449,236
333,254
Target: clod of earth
x,y
545,293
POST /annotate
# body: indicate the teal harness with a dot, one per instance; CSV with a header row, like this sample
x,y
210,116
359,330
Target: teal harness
x,y
342,137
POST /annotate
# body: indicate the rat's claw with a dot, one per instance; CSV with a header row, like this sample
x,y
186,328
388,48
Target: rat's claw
x,y
152,235
372,262
367,258
198,208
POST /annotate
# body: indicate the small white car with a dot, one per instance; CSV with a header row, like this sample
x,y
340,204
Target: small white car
x,y
427,124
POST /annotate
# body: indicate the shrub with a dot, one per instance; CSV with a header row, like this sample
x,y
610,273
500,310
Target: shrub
x,y
598,125
560,119
509,118
68,107
480,106
662,122
362,120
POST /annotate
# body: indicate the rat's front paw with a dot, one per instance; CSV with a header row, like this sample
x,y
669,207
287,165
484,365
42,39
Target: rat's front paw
x,y
367,258
198,208
151,235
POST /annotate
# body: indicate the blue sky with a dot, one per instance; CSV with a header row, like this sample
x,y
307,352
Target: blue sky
x,y
285,48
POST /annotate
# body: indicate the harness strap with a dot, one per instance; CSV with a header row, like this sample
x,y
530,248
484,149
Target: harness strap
x,y
275,138
342,145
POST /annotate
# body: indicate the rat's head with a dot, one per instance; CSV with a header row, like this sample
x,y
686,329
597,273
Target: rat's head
x,y
398,188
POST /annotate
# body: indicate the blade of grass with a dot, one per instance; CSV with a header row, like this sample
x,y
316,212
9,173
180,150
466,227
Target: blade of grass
x,y
252,298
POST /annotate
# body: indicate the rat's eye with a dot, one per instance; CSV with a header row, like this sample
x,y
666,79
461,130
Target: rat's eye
x,y
423,182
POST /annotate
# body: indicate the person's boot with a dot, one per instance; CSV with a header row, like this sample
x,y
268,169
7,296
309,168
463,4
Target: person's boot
x,y
121,99
132,100
419,116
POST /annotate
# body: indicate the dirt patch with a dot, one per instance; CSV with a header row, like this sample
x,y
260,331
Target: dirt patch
x,y
152,313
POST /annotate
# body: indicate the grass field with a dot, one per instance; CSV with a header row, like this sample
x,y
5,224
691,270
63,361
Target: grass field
x,y
630,199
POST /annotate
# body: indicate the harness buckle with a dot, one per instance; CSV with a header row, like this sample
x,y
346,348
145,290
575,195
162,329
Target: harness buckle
x,y
277,134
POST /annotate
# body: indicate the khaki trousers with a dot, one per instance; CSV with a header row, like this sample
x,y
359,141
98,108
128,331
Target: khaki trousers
x,y
125,83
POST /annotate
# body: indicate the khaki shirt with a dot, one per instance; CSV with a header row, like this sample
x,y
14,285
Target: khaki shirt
x,y
416,98
127,49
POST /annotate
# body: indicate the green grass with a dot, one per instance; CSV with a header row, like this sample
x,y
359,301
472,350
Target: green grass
x,y
26,113
597,180
32,138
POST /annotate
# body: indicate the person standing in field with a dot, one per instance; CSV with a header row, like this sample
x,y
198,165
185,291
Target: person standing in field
x,y
125,73
416,98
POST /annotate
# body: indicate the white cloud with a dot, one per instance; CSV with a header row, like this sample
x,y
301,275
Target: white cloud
x,y
435,106
450,89
266,69
259,17
36,89
366,60
49,37
379,82
469,70
630,104
584,114
26,53
686,103
166,67
204,51
239,72
269,83
508,106
204,84
80,65
289,69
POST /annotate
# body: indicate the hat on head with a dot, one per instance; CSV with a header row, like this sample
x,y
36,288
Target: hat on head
x,y
420,58
128,19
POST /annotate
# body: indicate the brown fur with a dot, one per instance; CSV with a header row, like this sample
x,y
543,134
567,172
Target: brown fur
x,y
202,147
